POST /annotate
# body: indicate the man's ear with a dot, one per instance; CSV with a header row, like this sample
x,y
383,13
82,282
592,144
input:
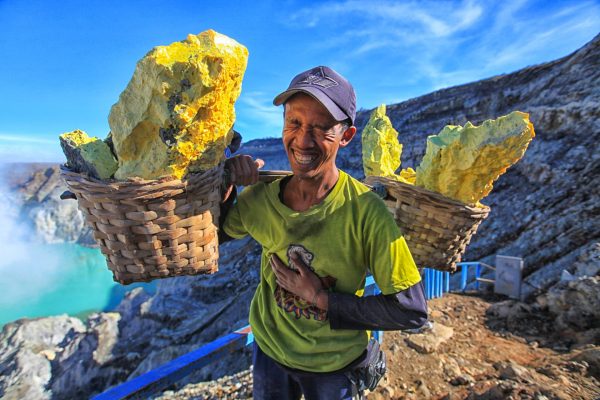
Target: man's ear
x,y
347,136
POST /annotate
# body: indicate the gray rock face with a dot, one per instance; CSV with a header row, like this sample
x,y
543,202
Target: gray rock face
x,y
53,220
27,350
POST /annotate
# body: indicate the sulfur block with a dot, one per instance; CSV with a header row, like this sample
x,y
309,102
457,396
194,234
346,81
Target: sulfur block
x,y
176,113
88,154
463,162
380,147
407,175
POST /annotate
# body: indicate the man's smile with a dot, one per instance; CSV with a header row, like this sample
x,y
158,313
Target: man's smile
x,y
303,159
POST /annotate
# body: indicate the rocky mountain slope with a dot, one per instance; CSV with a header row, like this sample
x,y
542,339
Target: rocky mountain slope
x,y
545,209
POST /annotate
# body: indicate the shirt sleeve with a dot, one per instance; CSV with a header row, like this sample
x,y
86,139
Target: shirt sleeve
x,y
406,309
402,304
232,223
386,251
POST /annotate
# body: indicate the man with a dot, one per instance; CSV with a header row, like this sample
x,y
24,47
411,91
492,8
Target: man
x,y
321,232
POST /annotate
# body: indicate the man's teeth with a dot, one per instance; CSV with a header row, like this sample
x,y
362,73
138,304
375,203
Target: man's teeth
x,y
304,159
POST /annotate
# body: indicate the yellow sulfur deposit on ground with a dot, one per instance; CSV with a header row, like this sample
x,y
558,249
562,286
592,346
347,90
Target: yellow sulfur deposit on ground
x,y
177,111
381,150
463,162
88,154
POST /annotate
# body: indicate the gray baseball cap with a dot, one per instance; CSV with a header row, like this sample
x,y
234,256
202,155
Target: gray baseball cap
x,y
328,87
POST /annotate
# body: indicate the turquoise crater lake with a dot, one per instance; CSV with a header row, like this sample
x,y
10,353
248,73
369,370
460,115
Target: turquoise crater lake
x,y
51,279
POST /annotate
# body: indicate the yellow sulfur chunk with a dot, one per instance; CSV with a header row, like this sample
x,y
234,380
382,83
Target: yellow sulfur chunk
x,y
407,175
381,150
463,162
380,147
88,154
177,111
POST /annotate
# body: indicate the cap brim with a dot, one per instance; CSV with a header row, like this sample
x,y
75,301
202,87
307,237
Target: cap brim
x,y
333,109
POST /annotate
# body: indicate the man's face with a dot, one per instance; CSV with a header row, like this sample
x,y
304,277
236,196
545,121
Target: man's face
x,y
311,136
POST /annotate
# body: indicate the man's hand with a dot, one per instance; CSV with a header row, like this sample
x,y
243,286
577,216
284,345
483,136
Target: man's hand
x,y
303,282
243,170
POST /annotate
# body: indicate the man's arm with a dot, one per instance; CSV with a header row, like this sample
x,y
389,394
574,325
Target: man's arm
x,y
406,309
242,171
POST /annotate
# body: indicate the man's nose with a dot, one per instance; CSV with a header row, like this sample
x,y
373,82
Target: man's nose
x,y
304,138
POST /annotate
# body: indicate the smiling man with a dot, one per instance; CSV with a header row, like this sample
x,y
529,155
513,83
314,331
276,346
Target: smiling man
x,y
321,231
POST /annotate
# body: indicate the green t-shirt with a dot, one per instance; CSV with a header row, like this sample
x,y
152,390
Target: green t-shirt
x,y
350,232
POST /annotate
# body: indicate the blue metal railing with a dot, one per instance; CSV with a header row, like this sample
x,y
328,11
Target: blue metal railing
x,y
436,284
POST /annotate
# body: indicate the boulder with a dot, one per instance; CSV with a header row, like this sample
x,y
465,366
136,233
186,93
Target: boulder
x,y
576,303
177,112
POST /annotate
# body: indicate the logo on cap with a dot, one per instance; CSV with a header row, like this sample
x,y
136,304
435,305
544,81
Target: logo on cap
x,y
318,78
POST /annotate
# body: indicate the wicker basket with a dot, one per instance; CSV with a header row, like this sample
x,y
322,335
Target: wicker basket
x,y
150,229
437,229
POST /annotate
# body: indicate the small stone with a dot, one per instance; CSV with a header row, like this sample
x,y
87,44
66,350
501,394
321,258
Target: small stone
x,y
451,368
88,155
574,366
463,379
514,371
424,391
430,341
388,392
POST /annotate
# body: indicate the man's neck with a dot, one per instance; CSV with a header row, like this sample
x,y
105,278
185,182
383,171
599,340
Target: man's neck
x,y
302,193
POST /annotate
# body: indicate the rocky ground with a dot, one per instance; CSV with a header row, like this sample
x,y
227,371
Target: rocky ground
x,y
481,347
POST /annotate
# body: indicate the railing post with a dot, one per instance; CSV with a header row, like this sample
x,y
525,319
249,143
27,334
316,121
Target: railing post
x,y
477,275
447,276
463,277
428,283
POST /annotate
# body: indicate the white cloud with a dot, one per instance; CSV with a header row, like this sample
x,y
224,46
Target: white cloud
x,y
257,116
25,139
413,21
445,43
26,148
261,106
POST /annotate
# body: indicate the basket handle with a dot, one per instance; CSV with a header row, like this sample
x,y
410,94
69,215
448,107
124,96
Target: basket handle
x,y
266,176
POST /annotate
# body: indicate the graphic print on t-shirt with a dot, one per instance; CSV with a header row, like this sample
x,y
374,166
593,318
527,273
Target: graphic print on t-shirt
x,y
294,304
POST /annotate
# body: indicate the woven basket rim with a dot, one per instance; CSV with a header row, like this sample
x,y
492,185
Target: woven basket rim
x,y
131,181
388,182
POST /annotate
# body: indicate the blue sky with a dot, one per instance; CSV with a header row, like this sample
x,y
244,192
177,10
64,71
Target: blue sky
x,y
64,63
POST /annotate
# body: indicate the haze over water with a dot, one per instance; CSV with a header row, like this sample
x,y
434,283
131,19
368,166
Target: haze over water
x,y
38,279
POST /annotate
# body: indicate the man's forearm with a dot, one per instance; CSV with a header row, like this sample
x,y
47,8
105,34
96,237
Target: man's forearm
x,y
404,310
